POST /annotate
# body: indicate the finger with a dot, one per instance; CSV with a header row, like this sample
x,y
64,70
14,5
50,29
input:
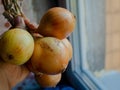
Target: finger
x,y
30,25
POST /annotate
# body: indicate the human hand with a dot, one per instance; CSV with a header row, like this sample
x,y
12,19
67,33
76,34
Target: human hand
x,y
11,75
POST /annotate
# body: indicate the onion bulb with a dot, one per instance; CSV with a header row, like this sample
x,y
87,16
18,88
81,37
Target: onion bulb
x,y
50,56
57,22
16,46
45,80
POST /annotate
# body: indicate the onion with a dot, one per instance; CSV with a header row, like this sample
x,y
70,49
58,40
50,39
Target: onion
x,y
57,22
16,46
48,80
50,56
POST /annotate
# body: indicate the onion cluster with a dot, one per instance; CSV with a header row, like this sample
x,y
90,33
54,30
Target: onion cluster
x,y
45,50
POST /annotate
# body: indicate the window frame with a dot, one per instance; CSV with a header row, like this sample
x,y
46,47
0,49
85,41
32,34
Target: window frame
x,y
80,78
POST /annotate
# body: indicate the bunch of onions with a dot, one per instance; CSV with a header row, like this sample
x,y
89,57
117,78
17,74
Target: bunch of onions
x,y
45,49
52,51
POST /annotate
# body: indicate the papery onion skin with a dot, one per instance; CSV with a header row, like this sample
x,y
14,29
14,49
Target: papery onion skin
x,y
68,47
16,46
50,56
57,22
48,80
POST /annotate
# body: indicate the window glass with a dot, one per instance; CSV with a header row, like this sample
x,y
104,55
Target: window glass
x,y
101,41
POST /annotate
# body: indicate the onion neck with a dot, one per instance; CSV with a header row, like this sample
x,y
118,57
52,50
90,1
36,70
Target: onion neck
x,y
19,22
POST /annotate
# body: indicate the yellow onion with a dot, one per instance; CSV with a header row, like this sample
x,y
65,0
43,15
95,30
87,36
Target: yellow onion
x,y
50,56
57,22
45,80
16,46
